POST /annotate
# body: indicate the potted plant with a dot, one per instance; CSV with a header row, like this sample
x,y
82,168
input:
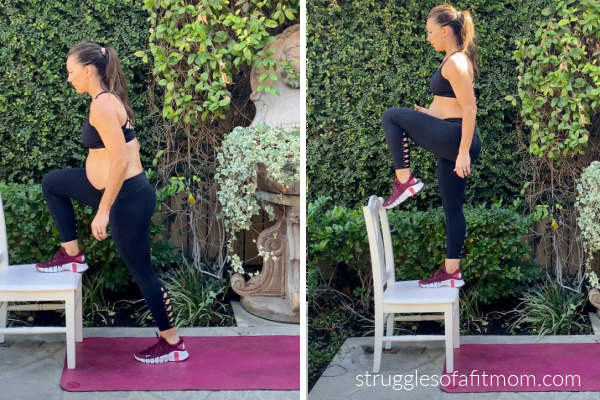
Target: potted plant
x,y
246,154
588,206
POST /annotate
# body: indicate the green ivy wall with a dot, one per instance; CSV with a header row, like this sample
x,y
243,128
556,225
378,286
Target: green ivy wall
x,y
367,56
40,113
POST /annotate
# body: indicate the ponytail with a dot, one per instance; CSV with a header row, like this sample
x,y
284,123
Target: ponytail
x,y
468,43
107,64
463,28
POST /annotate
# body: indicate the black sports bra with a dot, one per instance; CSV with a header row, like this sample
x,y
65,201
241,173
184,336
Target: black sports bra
x,y
440,86
91,138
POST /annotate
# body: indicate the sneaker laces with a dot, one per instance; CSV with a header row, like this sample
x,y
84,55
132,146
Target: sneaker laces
x,y
435,275
160,345
56,258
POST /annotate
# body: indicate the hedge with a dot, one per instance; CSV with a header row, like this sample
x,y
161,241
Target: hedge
x,y
493,259
367,56
40,113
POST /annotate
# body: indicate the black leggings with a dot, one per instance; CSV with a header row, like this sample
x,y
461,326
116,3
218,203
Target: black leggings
x,y
129,220
442,138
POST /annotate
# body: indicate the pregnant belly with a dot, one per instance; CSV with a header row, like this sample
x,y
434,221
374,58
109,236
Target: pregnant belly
x,y
97,165
445,107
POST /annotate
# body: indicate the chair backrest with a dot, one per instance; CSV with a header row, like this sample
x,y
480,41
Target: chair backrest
x,y
380,244
3,237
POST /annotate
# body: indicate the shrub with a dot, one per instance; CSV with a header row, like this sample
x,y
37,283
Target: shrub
x,y
197,299
338,234
364,57
550,309
493,252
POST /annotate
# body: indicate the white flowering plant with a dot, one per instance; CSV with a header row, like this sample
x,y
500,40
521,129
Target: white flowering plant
x,y
588,206
238,159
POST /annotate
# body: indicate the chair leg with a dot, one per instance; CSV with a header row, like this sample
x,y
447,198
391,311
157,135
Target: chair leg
x,y
448,331
456,324
79,315
378,342
390,330
70,325
3,318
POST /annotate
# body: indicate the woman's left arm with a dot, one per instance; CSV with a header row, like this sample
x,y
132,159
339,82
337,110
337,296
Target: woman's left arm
x,y
457,73
103,117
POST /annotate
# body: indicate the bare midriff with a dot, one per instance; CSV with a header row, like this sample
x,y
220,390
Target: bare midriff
x,y
97,164
445,107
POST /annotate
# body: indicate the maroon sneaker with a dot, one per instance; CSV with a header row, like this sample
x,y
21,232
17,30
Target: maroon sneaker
x,y
442,278
163,352
403,191
63,262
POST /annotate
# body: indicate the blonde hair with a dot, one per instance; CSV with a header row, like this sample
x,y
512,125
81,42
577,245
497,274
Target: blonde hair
x,y
462,25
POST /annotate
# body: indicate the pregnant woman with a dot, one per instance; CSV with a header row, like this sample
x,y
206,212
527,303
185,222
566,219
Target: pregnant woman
x,y
113,182
446,128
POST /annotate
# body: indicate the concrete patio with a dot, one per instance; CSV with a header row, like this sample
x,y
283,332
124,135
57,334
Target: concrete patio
x,y
346,377
31,365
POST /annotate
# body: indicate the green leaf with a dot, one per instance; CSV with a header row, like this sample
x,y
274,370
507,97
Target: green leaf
x,y
289,14
269,23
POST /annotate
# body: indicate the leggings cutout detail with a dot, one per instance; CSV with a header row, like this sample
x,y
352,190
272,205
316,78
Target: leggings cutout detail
x,y
129,222
168,307
442,138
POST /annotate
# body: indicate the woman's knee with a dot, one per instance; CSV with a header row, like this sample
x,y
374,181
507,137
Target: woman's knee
x,y
51,179
393,114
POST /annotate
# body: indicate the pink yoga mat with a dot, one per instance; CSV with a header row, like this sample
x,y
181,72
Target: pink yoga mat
x,y
541,367
215,363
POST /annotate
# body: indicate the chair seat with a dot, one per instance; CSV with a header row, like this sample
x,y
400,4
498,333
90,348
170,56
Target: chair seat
x,y
23,278
409,292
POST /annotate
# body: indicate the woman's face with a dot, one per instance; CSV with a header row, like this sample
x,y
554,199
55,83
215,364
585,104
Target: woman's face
x,y
435,34
78,75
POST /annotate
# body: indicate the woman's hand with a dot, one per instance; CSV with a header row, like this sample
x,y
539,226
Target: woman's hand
x,y
463,165
99,225
422,109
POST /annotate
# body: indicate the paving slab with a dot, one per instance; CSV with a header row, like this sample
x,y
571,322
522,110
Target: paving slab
x,y
245,319
31,366
349,375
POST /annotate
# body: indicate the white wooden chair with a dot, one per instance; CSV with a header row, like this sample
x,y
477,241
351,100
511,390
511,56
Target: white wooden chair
x,y
392,297
23,283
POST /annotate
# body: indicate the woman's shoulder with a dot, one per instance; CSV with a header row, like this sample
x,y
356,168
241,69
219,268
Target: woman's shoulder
x,y
105,106
106,100
457,64
458,60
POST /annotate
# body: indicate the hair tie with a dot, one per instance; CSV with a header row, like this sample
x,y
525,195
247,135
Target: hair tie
x,y
459,15
103,51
